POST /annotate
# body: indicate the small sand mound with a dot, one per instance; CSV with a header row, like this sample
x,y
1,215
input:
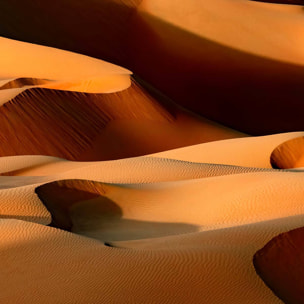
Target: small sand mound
x,y
289,154
280,265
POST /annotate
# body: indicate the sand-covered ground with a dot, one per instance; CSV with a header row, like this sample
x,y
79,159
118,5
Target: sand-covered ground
x,y
152,187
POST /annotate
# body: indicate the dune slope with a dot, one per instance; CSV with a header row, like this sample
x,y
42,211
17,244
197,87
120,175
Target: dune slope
x,y
181,48
280,264
289,154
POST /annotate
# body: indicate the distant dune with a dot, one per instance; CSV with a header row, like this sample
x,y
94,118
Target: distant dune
x,y
256,87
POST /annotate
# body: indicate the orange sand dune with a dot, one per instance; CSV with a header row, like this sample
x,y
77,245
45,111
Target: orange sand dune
x,y
213,61
280,265
249,152
203,160
41,116
51,260
105,211
158,225
289,154
24,66
48,110
207,259
110,192
78,126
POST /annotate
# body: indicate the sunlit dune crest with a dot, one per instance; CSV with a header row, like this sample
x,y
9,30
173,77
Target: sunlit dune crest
x,y
212,61
24,66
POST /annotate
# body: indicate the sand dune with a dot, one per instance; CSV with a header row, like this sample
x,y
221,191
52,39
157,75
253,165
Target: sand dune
x,y
172,202
177,222
289,154
87,125
250,152
165,212
108,125
213,61
91,272
280,265
25,65
112,191
203,160
209,256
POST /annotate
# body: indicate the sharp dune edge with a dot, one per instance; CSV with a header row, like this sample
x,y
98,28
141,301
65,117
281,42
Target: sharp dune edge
x,y
212,61
87,123
110,192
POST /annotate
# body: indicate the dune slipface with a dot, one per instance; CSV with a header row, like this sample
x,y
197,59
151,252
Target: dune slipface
x,y
280,264
54,112
187,50
88,123
112,190
289,154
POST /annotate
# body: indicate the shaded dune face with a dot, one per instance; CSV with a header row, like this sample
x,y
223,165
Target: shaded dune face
x,y
80,126
82,207
289,154
22,82
215,80
297,2
84,23
280,265
221,83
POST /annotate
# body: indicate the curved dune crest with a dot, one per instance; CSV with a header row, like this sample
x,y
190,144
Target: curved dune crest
x,y
162,234
24,66
112,192
250,152
167,202
289,154
280,265
80,126
176,45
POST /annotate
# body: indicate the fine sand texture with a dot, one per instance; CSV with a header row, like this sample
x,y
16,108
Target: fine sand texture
x,y
180,183
237,62
145,229
98,110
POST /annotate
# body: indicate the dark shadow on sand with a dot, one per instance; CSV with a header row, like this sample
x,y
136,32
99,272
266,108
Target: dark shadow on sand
x,y
81,207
